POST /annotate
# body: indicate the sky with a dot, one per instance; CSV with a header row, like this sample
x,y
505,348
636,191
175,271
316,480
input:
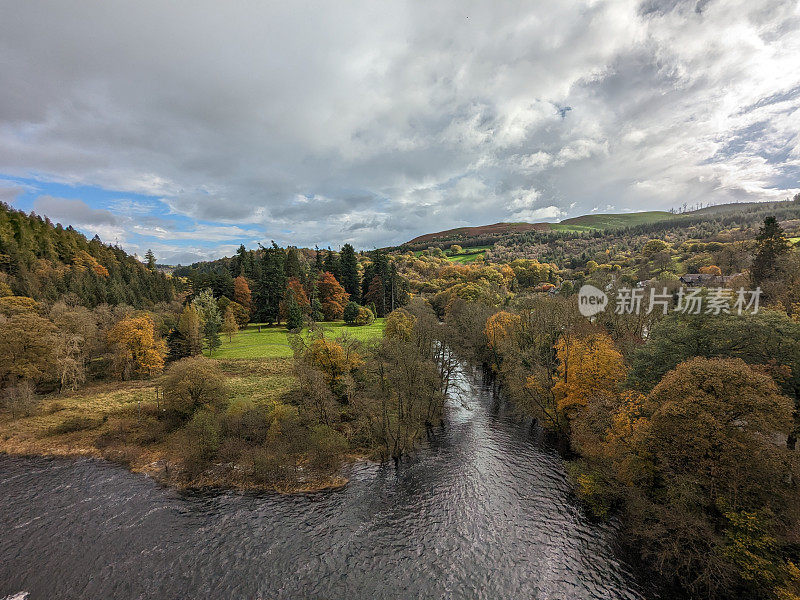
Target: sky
x,y
193,127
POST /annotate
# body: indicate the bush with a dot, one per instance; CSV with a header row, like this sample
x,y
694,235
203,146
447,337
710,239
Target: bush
x,y
192,383
365,316
350,313
327,448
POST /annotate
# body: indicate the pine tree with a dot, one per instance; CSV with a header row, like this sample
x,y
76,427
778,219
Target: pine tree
x,y
292,267
349,267
294,318
318,266
151,260
771,244
331,264
272,284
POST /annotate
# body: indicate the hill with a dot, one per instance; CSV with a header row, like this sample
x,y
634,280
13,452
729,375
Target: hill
x,y
47,261
613,221
500,232
479,231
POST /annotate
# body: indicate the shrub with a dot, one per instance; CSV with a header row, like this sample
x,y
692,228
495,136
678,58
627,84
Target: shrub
x,y
192,383
365,316
350,313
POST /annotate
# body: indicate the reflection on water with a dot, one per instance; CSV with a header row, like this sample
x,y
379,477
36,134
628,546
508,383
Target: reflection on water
x,y
482,512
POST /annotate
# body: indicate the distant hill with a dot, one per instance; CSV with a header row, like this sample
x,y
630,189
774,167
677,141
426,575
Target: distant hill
x,y
480,231
613,221
490,234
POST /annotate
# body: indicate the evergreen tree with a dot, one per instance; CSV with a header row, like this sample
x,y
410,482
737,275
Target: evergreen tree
x,y
349,267
318,266
272,284
771,244
151,260
292,267
331,264
294,318
211,318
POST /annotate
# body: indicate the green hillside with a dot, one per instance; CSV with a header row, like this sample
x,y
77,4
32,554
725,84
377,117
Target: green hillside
x,y
612,221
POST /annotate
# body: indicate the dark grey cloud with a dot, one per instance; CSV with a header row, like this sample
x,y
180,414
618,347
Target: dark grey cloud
x,y
371,123
69,212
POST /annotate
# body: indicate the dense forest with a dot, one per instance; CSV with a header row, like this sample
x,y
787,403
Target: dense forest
x,y
47,262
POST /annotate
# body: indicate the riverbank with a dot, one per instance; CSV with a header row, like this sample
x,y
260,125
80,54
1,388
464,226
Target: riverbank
x,y
120,422
485,477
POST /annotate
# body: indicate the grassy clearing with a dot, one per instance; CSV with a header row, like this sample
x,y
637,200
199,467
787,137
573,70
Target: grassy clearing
x,y
273,342
72,423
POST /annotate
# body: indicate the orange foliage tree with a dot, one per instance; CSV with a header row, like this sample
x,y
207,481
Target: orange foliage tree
x,y
83,260
332,296
137,349
241,292
711,270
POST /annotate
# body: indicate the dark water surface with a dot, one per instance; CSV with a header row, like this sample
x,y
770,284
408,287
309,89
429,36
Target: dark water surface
x,y
483,512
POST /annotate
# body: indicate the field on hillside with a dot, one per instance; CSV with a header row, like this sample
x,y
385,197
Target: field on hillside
x,y
273,342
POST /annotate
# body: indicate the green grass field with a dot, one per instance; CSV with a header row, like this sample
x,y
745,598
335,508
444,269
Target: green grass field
x,y
469,255
273,342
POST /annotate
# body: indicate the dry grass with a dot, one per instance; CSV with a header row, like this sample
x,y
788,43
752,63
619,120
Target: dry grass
x,y
118,419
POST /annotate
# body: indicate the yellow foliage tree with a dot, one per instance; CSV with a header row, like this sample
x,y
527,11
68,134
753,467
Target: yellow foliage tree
x,y
137,350
399,324
588,367
500,326
333,360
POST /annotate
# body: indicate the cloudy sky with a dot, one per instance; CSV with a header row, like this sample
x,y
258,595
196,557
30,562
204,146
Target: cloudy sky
x,y
191,128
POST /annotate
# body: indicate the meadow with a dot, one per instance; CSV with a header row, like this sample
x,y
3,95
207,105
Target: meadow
x,y
273,341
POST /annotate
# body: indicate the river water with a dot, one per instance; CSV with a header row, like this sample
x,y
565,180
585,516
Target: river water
x,y
483,511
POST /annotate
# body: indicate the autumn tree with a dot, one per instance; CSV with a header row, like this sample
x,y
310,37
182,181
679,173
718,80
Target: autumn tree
x,y
499,326
399,325
335,360
332,296
229,325
27,345
241,292
76,338
137,350
588,367
700,464
193,383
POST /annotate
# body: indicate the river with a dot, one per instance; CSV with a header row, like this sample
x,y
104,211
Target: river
x,y
482,511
